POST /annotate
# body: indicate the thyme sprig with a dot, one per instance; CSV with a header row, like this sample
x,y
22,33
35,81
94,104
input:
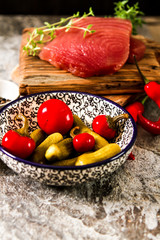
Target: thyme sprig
x,y
123,10
38,36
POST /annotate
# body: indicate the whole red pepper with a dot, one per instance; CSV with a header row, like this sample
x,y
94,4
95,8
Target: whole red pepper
x,y
18,142
105,126
151,88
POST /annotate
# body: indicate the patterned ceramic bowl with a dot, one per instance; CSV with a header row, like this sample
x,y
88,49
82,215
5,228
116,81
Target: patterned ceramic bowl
x,y
86,106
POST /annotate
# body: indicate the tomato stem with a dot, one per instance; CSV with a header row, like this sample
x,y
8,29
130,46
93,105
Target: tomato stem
x,y
119,117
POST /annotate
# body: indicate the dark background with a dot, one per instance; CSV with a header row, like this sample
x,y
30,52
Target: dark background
x,y
68,7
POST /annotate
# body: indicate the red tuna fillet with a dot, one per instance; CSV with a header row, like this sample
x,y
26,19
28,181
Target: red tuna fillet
x,y
103,52
137,48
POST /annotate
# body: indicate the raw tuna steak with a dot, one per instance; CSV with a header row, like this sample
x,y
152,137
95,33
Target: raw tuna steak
x,y
103,52
137,48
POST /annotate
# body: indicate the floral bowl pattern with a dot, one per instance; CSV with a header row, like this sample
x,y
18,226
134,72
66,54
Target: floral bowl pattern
x,y
86,106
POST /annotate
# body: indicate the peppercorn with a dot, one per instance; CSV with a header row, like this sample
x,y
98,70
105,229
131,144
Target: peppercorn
x,y
3,100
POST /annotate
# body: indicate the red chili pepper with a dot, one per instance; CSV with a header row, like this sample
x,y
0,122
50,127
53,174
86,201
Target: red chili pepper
x,y
151,88
18,142
148,125
134,108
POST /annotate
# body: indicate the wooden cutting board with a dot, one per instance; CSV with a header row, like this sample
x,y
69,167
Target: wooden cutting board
x,y
34,75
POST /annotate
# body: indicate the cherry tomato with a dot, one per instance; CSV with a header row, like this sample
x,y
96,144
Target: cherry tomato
x,y
54,116
104,127
83,142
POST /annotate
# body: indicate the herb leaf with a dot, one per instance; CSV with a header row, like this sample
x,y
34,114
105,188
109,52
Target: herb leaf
x,y
37,37
123,10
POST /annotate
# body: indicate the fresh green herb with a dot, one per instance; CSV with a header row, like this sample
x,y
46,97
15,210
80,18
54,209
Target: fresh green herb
x,y
37,36
123,10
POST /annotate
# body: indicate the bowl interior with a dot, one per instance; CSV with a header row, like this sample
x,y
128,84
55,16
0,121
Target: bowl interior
x,y
86,106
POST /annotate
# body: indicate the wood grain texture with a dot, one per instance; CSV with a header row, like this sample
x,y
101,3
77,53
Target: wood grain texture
x,y
35,75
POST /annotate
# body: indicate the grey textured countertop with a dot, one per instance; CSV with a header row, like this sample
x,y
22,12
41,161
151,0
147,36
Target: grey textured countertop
x,y
125,207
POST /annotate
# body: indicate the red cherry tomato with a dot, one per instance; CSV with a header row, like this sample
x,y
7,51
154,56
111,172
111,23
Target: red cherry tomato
x,y
83,142
54,116
101,126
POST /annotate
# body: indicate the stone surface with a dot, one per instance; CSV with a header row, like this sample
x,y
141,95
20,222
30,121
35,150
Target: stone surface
x,y
124,207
